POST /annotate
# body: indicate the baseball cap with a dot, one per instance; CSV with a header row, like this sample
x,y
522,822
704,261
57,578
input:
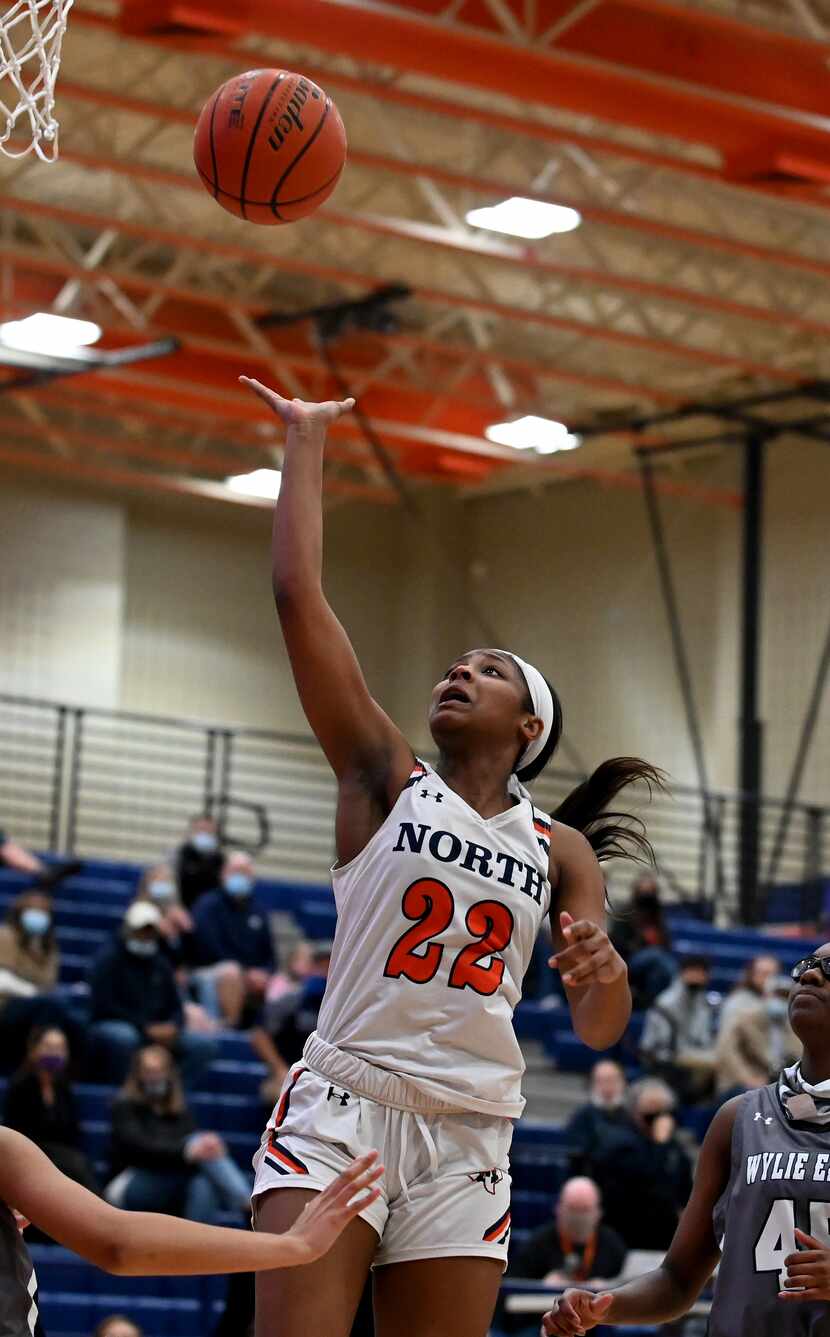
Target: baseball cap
x,y
142,914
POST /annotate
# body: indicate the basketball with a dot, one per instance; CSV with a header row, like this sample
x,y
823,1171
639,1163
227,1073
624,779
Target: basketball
x,y
270,146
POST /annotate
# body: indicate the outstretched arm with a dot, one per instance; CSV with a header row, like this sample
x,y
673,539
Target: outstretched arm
x,y
593,972
671,1289
354,732
146,1243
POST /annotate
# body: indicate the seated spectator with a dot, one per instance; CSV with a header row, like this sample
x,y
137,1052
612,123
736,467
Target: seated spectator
x,y
134,999
231,926
289,1020
29,966
680,1033
160,1162
117,1325
757,1042
158,887
643,1173
41,1105
198,861
590,1125
751,989
642,937
297,967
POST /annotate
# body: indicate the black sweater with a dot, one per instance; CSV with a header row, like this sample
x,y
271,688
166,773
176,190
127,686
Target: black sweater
x,y
138,989
143,1139
47,1125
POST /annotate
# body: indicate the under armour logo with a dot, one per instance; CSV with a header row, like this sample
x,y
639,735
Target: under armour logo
x,y
489,1178
438,796
760,1116
342,1096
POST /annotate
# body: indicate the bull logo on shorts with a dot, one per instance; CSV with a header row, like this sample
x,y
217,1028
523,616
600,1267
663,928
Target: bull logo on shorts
x,y
489,1178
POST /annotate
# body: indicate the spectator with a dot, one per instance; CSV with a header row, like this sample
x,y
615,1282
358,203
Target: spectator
x,y
642,937
29,966
198,861
593,1124
297,967
680,1033
576,1246
231,926
41,1105
158,887
117,1325
289,1020
134,999
757,1042
160,1162
643,1173
750,991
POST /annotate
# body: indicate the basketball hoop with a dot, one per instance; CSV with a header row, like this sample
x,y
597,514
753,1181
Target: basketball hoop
x,y
31,35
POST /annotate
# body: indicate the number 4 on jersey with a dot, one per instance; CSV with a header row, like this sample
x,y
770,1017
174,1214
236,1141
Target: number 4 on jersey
x,y
430,903
777,1239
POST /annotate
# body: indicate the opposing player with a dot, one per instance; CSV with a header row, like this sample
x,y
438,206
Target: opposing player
x,y
760,1204
145,1243
444,876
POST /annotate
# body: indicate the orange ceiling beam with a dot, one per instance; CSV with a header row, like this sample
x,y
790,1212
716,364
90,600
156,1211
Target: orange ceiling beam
x,y
487,187
406,40
776,187
527,259
365,282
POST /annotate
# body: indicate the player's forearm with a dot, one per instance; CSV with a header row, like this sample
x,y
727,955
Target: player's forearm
x,y
147,1244
602,1013
657,1297
297,543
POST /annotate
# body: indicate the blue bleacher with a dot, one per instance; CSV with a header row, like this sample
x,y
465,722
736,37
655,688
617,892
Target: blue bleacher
x,y
88,909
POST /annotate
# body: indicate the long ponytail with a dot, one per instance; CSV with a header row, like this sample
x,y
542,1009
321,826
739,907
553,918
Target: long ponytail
x,y
612,835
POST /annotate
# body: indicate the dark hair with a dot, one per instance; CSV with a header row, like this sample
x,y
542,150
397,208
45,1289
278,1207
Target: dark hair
x,y
15,913
612,835
695,961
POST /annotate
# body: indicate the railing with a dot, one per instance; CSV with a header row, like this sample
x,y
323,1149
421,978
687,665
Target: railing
x,y
117,785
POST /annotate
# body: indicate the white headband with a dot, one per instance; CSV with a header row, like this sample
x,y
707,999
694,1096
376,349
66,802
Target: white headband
x,y
540,695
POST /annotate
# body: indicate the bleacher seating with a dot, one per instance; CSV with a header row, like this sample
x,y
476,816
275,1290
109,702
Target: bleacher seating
x,y
88,910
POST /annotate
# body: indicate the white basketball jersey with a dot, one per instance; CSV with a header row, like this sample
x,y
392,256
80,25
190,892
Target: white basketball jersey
x,y
437,919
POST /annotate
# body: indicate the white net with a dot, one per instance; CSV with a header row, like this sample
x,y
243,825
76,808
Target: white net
x,y
31,35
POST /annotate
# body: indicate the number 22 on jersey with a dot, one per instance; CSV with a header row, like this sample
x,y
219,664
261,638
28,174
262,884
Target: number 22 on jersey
x,y
429,903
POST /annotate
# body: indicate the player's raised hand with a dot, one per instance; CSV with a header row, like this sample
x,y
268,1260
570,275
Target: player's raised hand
x,y
589,957
575,1313
322,1220
808,1271
297,413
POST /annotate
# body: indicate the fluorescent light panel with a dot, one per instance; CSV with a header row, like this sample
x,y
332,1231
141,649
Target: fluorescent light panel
x,y
530,219
259,483
44,332
543,435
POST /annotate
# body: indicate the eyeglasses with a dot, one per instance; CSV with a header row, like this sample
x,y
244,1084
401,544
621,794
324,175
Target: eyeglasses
x,y
821,963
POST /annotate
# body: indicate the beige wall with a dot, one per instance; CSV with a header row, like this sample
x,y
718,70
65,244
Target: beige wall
x,y
166,608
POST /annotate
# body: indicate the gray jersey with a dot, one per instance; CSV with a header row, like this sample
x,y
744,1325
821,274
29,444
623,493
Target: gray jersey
x,y
779,1180
18,1284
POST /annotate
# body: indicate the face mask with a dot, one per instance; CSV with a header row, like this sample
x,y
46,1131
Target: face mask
x,y
695,988
162,892
238,884
777,1008
579,1225
35,922
651,1118
204,841
142,946
156,1089
648,900
51,1063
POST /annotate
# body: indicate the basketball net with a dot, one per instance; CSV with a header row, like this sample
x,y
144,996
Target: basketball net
x,y
31,35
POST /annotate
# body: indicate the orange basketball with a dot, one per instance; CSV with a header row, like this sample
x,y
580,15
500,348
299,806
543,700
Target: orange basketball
x,y
270,146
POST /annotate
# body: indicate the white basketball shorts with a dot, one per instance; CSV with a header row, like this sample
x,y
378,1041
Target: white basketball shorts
x,y
446,1187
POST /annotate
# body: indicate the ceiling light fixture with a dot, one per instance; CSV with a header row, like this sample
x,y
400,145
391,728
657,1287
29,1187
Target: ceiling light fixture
x,y
259,483
530,219
44,332
543,435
